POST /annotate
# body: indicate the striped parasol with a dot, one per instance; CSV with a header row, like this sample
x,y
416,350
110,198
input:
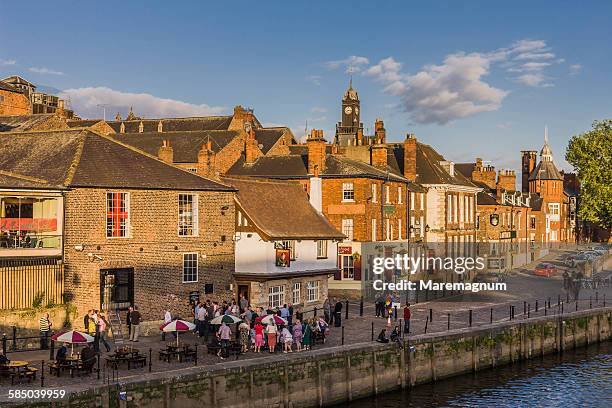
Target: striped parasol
x,y
272,319
227,319
177,326
72,337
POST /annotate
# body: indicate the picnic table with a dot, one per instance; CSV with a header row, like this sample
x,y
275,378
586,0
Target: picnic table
x,y
129,355
182,351
19,369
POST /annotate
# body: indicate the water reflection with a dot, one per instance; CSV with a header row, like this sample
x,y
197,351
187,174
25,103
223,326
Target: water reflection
x,y
577,379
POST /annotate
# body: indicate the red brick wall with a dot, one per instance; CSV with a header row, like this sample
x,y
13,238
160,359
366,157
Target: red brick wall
x,y
14,103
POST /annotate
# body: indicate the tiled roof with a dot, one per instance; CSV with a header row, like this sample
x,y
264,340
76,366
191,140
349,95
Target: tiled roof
x,y
81,158
185,145
174,124
24,123
268,137
545,170
281,210
296,166
83,122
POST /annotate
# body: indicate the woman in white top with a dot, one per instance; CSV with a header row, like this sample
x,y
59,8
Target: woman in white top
x,y
287,340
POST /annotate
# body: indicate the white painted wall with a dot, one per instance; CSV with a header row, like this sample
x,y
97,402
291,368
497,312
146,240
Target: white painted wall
x,y
254,255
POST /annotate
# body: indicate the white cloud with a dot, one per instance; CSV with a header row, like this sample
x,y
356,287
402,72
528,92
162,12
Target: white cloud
x,y
318,109
4,62
85,103
532,79
44,71
353,63
315,79
575,69
441,93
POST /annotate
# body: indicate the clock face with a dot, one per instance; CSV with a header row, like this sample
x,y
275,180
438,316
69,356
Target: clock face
x,y
348,110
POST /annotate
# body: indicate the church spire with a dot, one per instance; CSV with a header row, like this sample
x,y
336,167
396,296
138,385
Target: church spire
x,y
546,152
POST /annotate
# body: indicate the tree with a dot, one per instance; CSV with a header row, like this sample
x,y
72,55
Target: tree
x,y
591,155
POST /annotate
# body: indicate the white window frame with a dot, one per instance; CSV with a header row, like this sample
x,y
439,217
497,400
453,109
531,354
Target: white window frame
x,y
412,226
347,267
321,248
348,192
276,295
422,229
374,193
312,291
194,215
296,293
348,228
412,195
197,267
399,194
450,208
387,195
422,201
399,228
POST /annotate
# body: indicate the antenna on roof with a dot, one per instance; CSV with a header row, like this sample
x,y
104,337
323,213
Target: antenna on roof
x,y
103,106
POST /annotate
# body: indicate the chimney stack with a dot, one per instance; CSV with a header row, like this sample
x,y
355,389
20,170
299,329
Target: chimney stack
x,y
379,131
410,148
165,152
506,180
251,150
484,174
528,163
206,159
241,117
316,152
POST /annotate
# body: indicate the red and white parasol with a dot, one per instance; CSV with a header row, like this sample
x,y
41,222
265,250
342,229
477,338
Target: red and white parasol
x,y
73,337
177,326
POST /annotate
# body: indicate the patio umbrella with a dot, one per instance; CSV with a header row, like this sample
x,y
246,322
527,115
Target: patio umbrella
x,y
272,319
177,326
227,319
72,337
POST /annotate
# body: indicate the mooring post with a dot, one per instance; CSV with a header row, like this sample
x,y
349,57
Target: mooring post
x,y
361,307
346,311
343,335
150,359
491,316
470,319
372,331
430,315
448,321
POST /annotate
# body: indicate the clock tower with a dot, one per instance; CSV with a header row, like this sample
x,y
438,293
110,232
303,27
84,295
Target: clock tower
x,y
349,130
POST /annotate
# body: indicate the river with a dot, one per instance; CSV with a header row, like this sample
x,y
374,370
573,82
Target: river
x,y
580,378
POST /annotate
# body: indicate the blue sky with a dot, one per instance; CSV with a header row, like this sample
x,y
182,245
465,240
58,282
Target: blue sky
x,y
471,78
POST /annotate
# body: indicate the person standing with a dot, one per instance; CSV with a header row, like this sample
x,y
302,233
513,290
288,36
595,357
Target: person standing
x,y
244,337
201,319
167,319
103,331
272,331
86,321
407,315
338,313
244,303
128,321
297,335
307,336
45,327
259,337
326,310
135,320
224,335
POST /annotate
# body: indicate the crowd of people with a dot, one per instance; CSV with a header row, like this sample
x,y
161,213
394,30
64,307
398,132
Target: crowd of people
x,y
292,332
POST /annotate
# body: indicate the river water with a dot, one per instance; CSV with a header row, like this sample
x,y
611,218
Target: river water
x,y
580,378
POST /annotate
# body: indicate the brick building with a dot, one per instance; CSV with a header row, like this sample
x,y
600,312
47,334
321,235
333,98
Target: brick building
x,y
13,100
285,249
37,102
127,227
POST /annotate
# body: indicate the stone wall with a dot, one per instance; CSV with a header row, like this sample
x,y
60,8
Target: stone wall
x,y
342,374
14,103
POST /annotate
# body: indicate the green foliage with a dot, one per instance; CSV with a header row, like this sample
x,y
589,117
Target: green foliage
x,y
591,155
37,302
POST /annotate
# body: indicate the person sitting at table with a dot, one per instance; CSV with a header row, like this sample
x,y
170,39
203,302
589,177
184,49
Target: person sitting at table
x,y
88,356
60,356
4,360
382,336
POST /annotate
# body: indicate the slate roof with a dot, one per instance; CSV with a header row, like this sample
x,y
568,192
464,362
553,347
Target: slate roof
x,y
268,137
295,166
81,158
545,170
174,124
429,169
185,145
83,122
22,123
281,210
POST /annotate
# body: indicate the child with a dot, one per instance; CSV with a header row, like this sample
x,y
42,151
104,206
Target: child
x,y
287,340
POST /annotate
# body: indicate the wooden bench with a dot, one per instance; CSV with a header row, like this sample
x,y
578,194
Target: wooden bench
x,y
165,355
138,361
55,367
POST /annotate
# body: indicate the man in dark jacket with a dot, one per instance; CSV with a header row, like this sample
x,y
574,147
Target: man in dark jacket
x,y
338,314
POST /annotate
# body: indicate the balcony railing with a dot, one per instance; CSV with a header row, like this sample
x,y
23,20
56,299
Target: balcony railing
x,y
30,241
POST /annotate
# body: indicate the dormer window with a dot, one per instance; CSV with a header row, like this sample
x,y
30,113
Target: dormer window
x,y
140,127
160,127
449,166
122,128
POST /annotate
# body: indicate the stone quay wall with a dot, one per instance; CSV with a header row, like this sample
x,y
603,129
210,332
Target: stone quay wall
x,y
342,374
